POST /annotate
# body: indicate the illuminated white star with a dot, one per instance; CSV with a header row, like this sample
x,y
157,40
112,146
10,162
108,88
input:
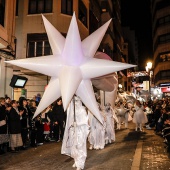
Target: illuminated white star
x,y
71,67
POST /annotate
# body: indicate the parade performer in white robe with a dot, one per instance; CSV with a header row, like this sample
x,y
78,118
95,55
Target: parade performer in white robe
x,y
139,117
96,136
122,115
110,130
76,132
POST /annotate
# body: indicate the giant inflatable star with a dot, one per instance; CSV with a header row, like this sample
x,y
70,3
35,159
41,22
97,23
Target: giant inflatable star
x,y
71,67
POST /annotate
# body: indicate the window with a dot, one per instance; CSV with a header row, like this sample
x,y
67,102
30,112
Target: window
x,y
40,6
164,20
161,21
164,38
67,7
2,12
31,49
47,48
16,12
167,19
162,75
164,57
38,45
165,74
82,13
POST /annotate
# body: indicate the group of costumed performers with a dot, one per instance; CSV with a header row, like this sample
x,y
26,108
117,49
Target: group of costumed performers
x,y
101,134
83,126
130,107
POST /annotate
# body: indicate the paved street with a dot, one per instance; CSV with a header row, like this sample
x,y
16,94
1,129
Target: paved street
x,y
131,151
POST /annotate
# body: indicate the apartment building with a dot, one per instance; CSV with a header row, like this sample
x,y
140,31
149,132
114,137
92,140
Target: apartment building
x,y
32,40
7,44
161,43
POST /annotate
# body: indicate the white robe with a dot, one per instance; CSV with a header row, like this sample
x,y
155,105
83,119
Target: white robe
x,y
96,136
110,131
122,115
76,132
139,116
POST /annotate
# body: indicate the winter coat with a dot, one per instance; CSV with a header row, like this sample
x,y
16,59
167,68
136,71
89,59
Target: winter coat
x,y
3,116
14,122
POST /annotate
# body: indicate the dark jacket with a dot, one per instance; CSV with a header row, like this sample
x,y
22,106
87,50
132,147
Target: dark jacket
x,y
157,114
58,113
14,122
26,117
3,116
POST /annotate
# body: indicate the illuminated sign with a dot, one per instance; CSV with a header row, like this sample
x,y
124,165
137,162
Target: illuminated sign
x,y
164,84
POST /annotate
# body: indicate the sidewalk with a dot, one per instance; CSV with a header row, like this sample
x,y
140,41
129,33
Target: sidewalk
x,y
131,151
154,154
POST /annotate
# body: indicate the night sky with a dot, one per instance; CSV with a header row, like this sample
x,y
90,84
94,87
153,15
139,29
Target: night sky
x,y
136,14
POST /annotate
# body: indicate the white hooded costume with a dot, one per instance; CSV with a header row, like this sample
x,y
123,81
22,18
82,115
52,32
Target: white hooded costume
x,y
110,130
76,132
96,136
139,117
122,115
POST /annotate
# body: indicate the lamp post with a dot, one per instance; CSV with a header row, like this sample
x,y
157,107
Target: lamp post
x,y
148,69
149,65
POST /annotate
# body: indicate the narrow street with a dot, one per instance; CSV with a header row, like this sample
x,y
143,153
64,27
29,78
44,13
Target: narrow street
x,y
131,151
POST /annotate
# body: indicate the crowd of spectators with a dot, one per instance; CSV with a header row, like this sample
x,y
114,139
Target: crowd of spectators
x,y
158,112
19,130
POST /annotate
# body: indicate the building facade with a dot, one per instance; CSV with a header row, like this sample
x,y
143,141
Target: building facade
x,y
32,40
161,42
7,44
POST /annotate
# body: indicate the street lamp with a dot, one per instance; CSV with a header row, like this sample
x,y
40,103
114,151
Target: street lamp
x,y
149,65
148,69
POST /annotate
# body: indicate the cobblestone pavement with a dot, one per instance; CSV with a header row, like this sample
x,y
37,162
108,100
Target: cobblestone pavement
x,y
154,154
116,156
